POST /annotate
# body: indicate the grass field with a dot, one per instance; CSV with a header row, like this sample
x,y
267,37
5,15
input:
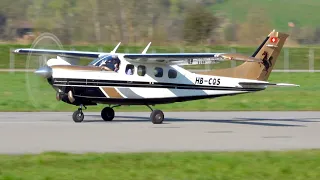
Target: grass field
x,y
298,57
16,96
294,165
302,13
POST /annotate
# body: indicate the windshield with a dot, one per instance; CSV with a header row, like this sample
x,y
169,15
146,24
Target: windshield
x,y
97,61
110,62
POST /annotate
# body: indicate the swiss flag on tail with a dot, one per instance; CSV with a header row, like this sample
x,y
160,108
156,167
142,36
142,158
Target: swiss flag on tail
x,y
274,39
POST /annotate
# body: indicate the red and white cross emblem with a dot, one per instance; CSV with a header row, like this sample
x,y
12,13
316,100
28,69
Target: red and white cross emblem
x,y
274,39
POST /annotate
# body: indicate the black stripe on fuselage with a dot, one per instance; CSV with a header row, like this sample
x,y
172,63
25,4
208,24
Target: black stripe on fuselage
x,y
112,83
150,101
93,95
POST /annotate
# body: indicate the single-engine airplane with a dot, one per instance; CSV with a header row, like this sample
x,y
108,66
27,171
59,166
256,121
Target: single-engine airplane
x,y
118,79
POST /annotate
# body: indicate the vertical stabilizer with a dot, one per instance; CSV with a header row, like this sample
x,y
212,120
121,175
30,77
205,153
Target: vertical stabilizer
x,y
268,52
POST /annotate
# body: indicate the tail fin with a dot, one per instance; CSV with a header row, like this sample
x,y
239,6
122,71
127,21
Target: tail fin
x,y
268,52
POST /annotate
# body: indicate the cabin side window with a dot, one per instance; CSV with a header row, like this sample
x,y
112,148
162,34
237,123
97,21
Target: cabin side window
x,y
158,72
129,69
141,70
172,73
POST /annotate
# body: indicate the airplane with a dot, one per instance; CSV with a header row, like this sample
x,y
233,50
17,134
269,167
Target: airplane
x,y
154,78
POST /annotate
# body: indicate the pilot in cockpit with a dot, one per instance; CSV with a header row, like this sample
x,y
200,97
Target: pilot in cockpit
x,y
111,63
116,63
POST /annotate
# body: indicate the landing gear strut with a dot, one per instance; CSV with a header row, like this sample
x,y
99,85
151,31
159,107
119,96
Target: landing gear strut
x,y
156,116
78,115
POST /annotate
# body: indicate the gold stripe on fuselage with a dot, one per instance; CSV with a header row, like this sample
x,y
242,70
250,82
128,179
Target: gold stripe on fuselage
x,y
112,92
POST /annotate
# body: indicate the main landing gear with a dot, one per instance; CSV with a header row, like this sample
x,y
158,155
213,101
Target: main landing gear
x,y
107,114
156,116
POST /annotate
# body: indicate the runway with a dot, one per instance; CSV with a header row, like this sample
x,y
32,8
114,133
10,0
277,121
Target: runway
x,y
181,131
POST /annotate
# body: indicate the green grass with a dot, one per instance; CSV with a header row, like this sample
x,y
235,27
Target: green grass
x,y
293,165
298,57
302,13
15,96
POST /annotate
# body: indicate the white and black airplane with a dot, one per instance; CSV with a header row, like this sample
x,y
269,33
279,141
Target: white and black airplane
x,y
147,79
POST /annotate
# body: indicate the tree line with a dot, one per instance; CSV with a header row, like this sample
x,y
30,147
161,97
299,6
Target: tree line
x,y
101,21
135,22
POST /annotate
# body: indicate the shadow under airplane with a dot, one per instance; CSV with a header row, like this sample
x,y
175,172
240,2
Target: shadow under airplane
x,y
243,121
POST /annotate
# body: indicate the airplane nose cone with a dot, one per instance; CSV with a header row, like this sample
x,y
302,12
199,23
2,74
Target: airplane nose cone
x,y
45,71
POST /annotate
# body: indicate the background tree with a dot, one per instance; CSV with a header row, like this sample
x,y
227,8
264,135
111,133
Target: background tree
x,y
255,28
198,24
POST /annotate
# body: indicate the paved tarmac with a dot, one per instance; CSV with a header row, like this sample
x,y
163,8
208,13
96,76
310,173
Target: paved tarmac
x,y
181,131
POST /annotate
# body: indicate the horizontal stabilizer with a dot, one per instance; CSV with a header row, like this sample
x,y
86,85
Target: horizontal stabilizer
x,y
286,84
266,84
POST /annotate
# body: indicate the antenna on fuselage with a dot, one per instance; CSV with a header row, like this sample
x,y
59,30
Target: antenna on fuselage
x,y
146,49
115,49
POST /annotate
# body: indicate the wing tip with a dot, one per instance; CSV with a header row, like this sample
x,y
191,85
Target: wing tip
x,y
17,51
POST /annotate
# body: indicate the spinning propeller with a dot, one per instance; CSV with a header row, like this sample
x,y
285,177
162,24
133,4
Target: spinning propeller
x,y
40,94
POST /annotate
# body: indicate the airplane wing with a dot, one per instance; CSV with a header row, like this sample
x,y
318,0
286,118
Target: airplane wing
x,y
187,58
83,54
167,58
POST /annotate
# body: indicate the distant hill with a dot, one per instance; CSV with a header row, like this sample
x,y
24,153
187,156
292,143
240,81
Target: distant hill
x,y
303,13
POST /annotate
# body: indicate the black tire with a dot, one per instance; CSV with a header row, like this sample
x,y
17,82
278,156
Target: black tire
x,y
107,114
157,117
78,116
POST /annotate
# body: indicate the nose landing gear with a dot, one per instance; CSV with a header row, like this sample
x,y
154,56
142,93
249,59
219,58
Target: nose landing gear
x,y
78,115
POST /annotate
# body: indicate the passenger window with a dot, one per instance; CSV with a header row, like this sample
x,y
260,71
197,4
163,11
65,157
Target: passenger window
x,y
130,69
158,72
172,73
141,70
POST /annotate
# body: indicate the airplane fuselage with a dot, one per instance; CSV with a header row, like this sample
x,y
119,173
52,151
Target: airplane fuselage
x,y
148,85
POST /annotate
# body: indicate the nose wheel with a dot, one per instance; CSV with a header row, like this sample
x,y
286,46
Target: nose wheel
x,y
78,115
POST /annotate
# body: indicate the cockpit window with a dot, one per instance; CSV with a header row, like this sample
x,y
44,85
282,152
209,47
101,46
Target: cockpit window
x,y
109,62
96,61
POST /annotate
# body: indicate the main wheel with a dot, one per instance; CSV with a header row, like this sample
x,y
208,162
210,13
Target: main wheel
x,y
157,117
78,116
107,114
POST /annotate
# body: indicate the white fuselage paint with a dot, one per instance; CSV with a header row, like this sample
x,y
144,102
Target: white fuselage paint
x,y
184,77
